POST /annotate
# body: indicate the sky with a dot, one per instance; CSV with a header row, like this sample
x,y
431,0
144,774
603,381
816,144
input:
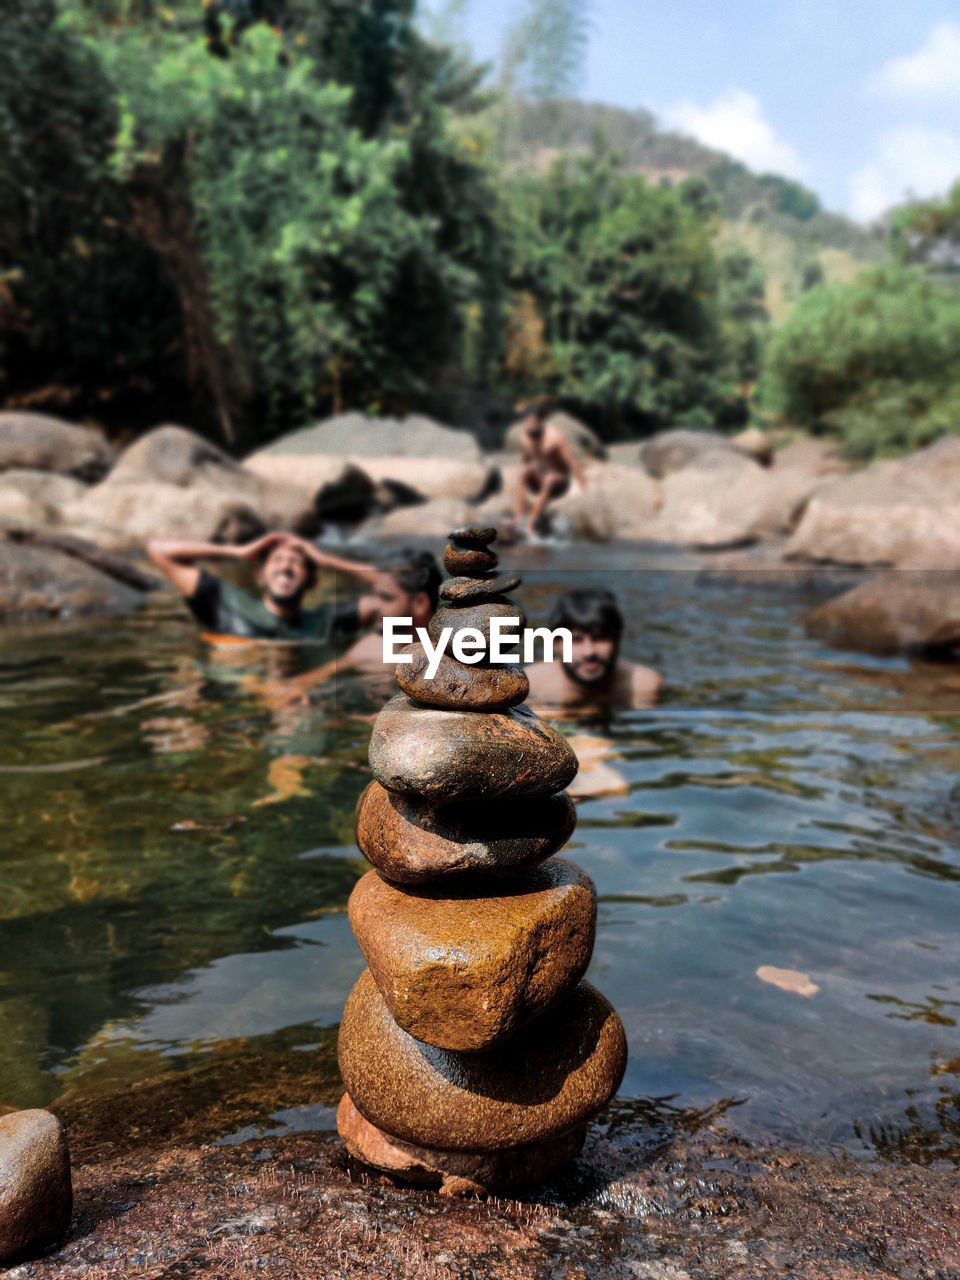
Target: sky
x,y
859,99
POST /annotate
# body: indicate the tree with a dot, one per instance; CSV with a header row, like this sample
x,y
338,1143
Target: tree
x,y
625,284
874,360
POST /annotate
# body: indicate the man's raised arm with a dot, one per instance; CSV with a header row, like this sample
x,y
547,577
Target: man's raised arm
x,y
176,558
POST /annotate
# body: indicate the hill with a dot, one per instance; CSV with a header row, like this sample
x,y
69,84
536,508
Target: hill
x,y
777,220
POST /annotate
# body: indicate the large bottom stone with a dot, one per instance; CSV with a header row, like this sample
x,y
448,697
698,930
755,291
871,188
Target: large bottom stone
x,y
36,1194
412,841
466,970
550,1078
454,1173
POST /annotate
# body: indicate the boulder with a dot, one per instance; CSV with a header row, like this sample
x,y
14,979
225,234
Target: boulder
x,y
118,514
178,456
618,502
432,519
464,479
42,443
308,472
673,450
51,490
20,510
39,581
354,435
813,456
900,610
172,483
547,1080
725,499
902,513
584,440
36,1194
466,969
756,443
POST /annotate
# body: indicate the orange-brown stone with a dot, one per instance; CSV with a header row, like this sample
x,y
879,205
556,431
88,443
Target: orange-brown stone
x,y
457,686
469,589
467,971
454,1173
468,560
548,1080
412,841
450,756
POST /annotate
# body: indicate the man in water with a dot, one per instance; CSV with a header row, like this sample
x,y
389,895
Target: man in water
x,y
597,677
406,584
549,461
287,571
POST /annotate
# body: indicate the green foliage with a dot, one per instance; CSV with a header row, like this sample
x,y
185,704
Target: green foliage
x,y
85,313
874,360
626,287
744,316
341,231
929,233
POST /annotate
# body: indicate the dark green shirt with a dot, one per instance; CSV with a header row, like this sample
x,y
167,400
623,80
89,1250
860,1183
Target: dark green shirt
x,y
228,610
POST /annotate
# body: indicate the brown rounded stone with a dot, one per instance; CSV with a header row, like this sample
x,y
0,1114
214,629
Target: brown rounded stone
x,y
36,1193
475,535
465,590
549,1079
454,685
468,971
412,841
476,616
454,1173
451,756
468,560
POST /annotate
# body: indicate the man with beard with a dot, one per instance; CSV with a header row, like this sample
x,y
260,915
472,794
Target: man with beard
x,y
288,570
597,677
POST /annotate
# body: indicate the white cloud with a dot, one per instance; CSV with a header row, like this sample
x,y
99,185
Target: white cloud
x,y
933,72
912,160
735,123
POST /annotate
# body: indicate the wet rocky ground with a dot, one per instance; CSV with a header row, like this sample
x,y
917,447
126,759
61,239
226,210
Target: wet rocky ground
x,y
659,1193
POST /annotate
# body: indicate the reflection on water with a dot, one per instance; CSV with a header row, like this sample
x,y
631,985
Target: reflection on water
x,y
178,850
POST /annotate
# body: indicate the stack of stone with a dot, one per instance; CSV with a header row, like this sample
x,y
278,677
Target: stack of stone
x,y
472,1051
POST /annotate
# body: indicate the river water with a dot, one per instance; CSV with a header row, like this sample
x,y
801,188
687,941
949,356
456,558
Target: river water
x,y
775,848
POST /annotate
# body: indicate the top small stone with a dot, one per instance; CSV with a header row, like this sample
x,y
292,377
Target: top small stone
x,y
473,535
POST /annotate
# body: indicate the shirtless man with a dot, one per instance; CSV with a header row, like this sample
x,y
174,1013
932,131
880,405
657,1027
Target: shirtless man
x,y
406,584
548,460
598,677
287,571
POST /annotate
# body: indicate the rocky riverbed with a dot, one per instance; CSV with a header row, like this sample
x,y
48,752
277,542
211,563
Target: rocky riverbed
x,y
658,1193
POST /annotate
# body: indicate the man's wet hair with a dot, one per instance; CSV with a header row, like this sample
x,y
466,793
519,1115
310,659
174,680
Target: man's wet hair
x,y
589,609
541,408
414,571
311,581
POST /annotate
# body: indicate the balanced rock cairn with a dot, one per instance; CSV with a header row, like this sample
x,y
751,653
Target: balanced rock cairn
x,y
472,1051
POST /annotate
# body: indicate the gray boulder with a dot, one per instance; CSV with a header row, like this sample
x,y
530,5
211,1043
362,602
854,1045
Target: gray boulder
x,y
680,447
41,443
901,610
354,435
36,1193
40,580
902,513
